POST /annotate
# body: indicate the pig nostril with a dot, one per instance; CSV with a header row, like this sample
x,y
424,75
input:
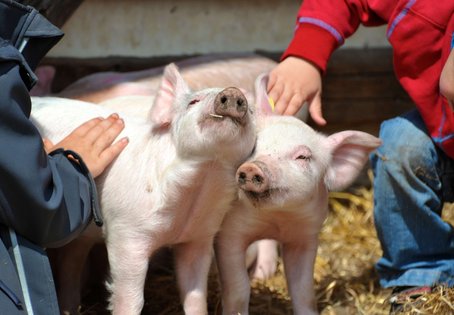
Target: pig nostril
x,y
240,102
257,179
223,99
242,178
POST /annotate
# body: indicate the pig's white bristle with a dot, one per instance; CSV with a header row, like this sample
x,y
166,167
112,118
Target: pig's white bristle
x,y
217,116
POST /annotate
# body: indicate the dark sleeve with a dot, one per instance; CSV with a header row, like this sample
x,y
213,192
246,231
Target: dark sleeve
x,y
45,199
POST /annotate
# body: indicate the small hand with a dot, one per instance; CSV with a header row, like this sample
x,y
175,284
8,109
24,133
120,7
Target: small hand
x,y
293,82
93,141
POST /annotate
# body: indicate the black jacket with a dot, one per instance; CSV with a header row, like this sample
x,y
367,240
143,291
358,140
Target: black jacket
x,y
44,201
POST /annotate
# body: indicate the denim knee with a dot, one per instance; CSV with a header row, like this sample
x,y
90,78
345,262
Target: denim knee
x,y
407,151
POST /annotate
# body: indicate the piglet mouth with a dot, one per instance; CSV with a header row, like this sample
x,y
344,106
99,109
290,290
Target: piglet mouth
x,y
238,121
269,196
258,196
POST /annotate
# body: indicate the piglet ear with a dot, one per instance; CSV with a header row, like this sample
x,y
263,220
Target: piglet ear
x,y
263,103
350,152
171,89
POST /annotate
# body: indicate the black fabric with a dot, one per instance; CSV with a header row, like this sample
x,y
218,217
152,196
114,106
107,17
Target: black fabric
x,y
19,23
12,16
446,166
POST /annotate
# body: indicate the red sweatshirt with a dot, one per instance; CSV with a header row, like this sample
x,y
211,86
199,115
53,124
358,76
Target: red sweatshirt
x,y
421,33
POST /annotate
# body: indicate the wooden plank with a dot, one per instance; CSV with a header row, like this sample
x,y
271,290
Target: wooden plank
x,y
354,61
57,12
370,110
360,61
363,115
361,86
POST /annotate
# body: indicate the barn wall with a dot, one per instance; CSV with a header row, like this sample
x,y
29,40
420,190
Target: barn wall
x,y
154,28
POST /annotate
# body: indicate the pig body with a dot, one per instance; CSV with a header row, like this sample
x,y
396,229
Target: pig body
x,y
283,196
171,186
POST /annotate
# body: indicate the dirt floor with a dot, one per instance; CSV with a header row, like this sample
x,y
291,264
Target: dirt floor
x,y
345,279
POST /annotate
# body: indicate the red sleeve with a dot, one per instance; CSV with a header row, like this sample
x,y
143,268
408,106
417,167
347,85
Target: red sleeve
x,y
420,52
323,25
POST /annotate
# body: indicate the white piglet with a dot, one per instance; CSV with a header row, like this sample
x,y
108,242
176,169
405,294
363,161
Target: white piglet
x,y
171,186
283,196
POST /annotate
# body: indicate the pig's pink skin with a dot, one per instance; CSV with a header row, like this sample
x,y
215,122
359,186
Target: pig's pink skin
x,y
261,259
301,167
171,186
225,70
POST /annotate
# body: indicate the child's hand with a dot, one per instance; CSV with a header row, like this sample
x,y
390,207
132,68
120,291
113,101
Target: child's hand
x,y
293,82
447,79
93,142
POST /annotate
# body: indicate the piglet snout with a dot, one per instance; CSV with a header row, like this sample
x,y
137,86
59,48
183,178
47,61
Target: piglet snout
x,y
251,177
231,102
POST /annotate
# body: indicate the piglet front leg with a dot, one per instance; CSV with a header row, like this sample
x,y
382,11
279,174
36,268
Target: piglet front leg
x,y
299,260
231,257
128,260
193,261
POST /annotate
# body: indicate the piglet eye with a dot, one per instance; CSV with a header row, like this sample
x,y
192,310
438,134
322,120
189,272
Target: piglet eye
x,y
302,153
194,101
303,157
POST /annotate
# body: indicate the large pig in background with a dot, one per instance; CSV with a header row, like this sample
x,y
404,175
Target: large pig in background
x,y
216,70
283,196
171,186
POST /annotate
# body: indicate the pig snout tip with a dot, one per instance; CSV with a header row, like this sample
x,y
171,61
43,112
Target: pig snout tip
x,y
251,177
231,102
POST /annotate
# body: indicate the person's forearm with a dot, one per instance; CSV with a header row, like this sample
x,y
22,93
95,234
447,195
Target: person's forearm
x,y
323,25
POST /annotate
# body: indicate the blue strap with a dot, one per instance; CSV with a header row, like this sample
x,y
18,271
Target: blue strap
x,y
10,294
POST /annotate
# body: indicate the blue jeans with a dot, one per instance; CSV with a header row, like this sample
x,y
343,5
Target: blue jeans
x,y
418,246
